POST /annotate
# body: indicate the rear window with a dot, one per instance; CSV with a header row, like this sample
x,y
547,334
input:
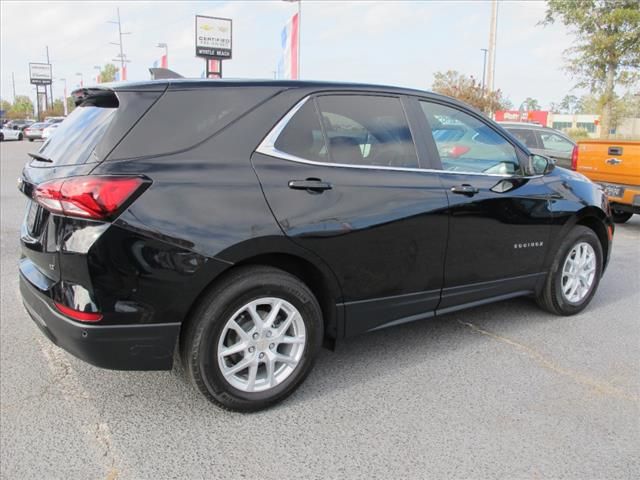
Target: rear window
x,y
76,137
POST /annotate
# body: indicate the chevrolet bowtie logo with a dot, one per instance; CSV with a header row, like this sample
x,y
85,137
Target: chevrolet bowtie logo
x,y
613,161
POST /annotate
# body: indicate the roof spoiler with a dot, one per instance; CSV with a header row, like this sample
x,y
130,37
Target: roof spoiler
x,y
163,74
98,96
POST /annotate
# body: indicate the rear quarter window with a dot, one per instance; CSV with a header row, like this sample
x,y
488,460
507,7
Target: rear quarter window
x,y
183,118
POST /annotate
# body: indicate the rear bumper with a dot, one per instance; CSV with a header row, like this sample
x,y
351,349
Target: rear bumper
x,y
630,199
116,347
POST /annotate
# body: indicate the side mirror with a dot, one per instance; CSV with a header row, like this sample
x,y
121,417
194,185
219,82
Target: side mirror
x,y
541,165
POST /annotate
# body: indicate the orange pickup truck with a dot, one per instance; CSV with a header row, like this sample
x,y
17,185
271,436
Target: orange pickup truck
x,y
614,164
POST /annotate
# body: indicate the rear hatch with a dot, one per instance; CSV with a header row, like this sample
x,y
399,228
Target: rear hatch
x,y
85,138
610,161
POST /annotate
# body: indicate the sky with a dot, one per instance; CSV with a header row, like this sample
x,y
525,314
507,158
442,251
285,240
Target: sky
x,y
387,42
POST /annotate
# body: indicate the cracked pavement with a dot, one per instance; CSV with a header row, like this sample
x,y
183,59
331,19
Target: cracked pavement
x,y
501,391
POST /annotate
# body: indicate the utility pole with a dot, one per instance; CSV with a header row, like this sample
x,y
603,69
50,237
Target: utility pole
x,y
51,84
493,28
484,67
122,57
13,81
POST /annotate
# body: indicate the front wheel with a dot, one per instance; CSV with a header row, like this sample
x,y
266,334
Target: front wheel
x,y
575,273
253,338
619,216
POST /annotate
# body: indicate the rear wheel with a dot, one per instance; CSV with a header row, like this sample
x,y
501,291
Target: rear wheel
x,y
253,339
31,139
620,216
575,273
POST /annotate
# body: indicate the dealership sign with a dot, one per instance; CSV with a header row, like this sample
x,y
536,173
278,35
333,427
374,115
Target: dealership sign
x,y
213,37
40,73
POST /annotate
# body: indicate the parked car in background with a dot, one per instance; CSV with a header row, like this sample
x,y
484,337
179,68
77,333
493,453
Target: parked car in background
x,y
49,129
244,223
11,133
614,164
50,120
543,141
19,124
34,131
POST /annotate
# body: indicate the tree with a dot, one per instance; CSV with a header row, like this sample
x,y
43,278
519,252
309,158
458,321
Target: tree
x,y
22,107
530,104
55,110
569,104
469,90
607,49
108,73
71,104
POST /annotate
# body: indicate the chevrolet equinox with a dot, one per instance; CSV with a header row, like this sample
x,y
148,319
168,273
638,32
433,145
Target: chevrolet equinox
x,y
239,225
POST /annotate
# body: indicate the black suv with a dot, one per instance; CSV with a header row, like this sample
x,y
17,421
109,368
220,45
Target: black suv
x,y
239,225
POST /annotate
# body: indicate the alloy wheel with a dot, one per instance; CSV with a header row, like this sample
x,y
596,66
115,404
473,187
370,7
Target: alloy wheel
x,y
261,344
578,272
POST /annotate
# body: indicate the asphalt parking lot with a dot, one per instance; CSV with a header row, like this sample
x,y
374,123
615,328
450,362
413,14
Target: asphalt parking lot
x,y
502,391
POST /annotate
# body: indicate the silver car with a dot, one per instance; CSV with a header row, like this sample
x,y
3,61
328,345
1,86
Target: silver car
x,y
543,141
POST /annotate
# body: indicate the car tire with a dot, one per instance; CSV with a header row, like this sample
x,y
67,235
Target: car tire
x,y
1,137
240,295
619,216
556,295
31,139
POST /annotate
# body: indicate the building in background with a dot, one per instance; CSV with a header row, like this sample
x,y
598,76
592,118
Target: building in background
x,y
628,127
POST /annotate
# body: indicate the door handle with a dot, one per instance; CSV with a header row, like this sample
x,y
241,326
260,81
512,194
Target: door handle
x,y
311,185
465,189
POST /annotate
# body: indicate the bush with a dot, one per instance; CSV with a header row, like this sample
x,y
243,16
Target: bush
x,y
577,133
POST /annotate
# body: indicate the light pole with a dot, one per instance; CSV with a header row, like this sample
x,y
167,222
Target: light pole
x,y
64,97
81,78
166,53
98,79
484,67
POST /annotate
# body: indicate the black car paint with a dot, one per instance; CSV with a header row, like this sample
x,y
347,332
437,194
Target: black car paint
x,y
380,248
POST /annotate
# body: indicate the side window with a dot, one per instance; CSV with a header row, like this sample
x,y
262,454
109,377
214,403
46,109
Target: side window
x,y
528,137
475,147
302,136
551,141
367,130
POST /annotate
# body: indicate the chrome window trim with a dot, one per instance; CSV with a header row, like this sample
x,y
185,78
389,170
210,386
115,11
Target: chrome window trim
x,y
267,147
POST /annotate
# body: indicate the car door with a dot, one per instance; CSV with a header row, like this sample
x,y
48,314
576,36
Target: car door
x,y
342,177
499,216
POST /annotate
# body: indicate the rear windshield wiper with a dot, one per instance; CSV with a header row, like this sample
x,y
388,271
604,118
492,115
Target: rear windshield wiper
x,y
40,158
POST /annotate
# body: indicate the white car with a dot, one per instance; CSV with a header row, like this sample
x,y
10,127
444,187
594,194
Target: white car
x,y
50,130
11,134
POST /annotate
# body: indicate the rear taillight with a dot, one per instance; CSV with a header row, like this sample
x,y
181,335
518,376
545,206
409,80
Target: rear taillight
x,y
457,151
77,314
574,158
95,197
